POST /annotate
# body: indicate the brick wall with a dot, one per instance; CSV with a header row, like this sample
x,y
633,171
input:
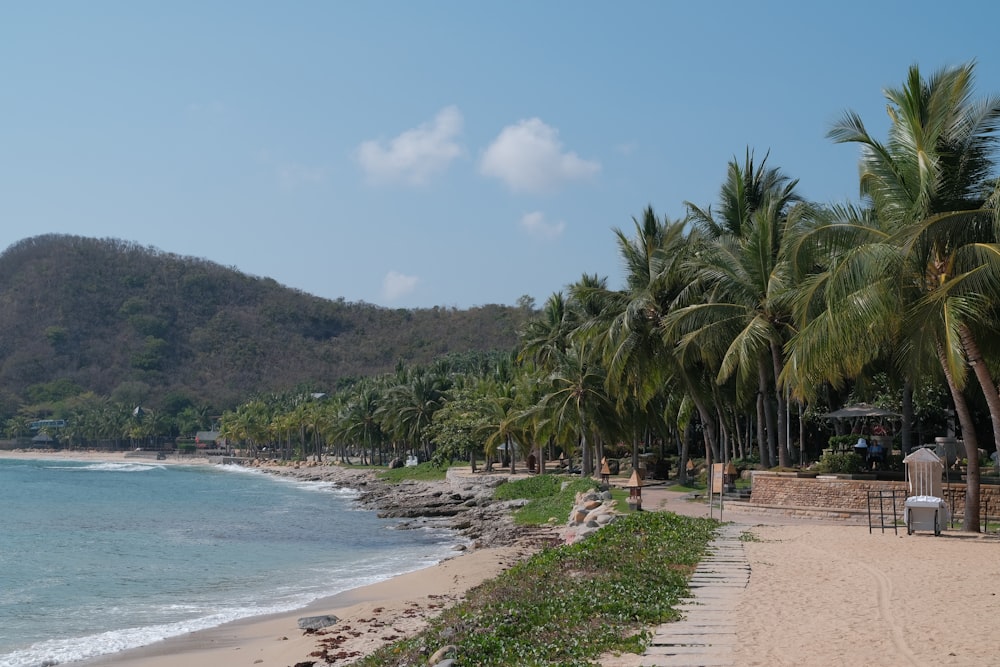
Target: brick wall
x,y
850,495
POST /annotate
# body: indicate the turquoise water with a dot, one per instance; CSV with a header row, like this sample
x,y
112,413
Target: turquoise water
x,y
96,558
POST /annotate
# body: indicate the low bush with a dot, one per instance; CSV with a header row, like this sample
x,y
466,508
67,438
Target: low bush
x,y
844,463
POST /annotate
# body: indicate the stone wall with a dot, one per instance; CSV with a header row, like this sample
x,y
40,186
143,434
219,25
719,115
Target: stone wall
x,y
834,495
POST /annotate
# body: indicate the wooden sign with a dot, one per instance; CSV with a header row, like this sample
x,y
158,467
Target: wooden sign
x,y
718,477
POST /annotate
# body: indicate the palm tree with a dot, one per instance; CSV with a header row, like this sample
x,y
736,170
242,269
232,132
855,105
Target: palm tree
x,y
628,322
740,316
360,421
410,407
502,430
936,241
575,400
546,336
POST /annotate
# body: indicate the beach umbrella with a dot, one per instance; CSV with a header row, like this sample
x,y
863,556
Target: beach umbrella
x,y
860,410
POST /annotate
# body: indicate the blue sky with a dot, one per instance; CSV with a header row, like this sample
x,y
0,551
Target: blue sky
x,y
435,153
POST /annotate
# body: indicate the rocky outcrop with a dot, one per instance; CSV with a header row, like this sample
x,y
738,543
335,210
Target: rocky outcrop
x,y
591,511
463,502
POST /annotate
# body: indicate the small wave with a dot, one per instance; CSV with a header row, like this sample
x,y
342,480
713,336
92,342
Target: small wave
x,y
61,651
113,467
325,486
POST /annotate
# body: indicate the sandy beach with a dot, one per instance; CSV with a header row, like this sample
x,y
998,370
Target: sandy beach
x,y
823,592
820,593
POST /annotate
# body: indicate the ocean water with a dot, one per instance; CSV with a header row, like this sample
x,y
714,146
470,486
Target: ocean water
x,y
97,558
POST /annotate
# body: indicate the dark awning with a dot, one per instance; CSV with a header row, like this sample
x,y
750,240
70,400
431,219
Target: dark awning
x,y
860,410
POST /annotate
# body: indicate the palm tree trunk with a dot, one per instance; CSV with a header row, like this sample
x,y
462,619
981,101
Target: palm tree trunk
x,y
778,361
635,451
766,424
683,452
906,432
970,521
982,373
765,459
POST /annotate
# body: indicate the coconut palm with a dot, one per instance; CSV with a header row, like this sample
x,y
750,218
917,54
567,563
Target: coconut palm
x,y
409,408
933,255
740,314
628,323
575,400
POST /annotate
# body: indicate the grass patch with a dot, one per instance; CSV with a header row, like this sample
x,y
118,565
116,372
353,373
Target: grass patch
x,y
621,497
547,498
567,605
690,487
425,472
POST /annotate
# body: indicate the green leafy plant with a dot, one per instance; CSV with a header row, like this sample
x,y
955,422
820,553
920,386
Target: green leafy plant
x,y
568,605
845,463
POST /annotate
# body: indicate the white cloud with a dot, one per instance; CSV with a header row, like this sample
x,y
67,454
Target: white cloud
x,y
529,157
415,155
397,285
292,175
536,225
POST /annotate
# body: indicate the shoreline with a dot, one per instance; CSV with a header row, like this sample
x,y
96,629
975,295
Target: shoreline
x,y
369,615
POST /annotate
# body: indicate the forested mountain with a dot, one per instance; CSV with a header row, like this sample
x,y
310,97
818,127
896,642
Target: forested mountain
x,y
123,320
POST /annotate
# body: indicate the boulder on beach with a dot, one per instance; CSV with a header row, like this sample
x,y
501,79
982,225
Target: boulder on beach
x,y
317,622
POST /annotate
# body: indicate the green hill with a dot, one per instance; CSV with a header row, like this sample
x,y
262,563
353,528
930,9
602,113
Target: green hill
x,y
120,320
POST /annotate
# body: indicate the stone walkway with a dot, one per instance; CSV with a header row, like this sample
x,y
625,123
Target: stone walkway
x,y
707,633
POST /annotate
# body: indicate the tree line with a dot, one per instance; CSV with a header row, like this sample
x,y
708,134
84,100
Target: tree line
x,y
743,310
737,324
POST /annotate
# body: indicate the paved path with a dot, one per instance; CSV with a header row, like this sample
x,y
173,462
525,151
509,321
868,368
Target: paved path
x,y
707,633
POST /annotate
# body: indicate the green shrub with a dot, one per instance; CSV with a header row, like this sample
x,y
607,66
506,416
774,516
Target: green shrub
x,y
546,497
844,463
843,441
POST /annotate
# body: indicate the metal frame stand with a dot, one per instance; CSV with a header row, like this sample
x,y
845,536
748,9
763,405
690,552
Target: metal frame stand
x,y
882,495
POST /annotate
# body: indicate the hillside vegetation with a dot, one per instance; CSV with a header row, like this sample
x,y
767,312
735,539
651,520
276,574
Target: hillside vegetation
x,y
131,322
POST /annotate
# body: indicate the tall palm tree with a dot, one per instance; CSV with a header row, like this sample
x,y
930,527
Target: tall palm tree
x,y
628,323
546,336
576,401
410,407
929,188
360,421
741,314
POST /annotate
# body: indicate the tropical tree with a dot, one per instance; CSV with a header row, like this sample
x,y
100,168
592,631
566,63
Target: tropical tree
x,y
409,408
628,324
575,401
923,272
739,315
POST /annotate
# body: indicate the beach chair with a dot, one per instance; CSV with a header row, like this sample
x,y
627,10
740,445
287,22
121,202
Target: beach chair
x,y
924,508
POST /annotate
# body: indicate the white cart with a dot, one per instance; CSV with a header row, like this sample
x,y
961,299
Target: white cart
x,y
924,509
